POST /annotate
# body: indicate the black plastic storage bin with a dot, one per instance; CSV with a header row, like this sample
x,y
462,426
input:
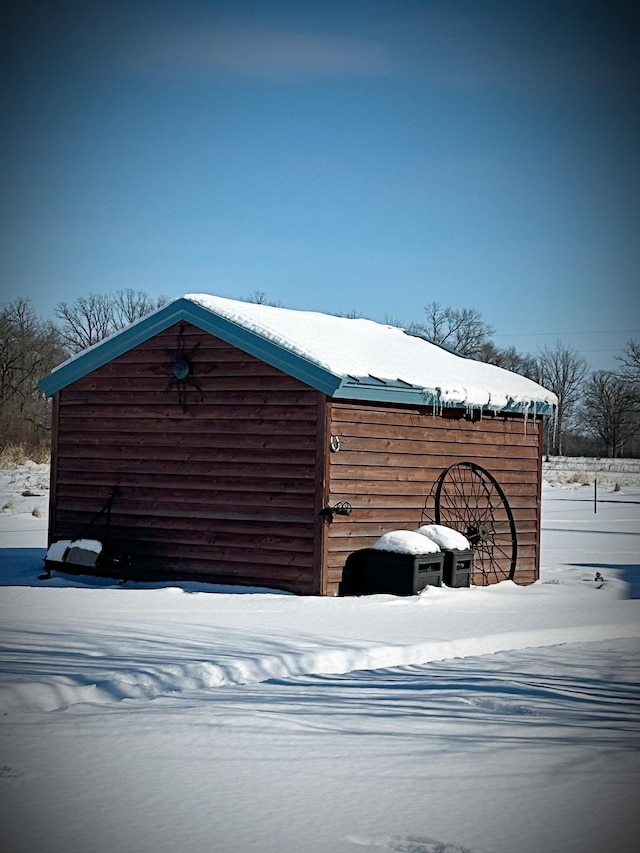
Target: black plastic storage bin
x,y
355,568
457,569
401,574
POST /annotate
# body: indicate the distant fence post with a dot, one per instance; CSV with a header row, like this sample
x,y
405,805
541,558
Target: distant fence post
x,y
595,494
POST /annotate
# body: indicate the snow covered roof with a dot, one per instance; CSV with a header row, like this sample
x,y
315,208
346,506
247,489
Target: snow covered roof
x,y
342,357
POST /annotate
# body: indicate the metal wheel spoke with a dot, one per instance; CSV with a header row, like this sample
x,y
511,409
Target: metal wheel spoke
x,y
468,498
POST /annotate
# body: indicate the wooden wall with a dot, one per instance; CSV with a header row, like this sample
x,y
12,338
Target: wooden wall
x,y
231,488
226,490
390,458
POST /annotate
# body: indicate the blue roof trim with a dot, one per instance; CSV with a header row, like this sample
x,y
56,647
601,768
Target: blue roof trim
x,y
366,388
184,309
104,351
376,390
544,409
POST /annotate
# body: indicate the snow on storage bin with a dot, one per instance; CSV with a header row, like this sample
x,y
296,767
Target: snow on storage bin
x,y
445,538
457,569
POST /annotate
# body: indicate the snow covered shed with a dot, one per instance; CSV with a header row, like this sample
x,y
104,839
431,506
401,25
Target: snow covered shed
x,y
263,446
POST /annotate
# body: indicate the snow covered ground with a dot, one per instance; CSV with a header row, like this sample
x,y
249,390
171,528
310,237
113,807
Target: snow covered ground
x,y
179,717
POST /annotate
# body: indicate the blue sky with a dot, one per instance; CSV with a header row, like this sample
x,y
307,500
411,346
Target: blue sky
x,y
363,156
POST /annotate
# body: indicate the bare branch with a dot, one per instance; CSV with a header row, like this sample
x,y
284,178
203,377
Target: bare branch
x,y
92,318
462,330
610,410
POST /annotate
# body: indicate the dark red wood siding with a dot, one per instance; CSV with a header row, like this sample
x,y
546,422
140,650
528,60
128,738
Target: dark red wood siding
x,y
231,488
226,490
390,458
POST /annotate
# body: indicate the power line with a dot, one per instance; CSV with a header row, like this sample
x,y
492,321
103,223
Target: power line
x,y
592,332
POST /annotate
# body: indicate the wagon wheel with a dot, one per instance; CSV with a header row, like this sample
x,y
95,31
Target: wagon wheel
x,y
469,499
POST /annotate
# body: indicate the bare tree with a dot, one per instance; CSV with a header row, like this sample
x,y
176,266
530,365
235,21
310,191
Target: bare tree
x,y
29,349
86,321
630,371
510,359
259,297
394,320
92,318
562,370
610,410
631,360
130,305
462,330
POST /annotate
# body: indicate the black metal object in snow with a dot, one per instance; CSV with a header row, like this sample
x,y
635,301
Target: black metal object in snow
x,y
105,558
468,498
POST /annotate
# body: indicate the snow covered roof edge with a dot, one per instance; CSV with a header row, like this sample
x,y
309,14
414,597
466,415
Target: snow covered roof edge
x,y
341,357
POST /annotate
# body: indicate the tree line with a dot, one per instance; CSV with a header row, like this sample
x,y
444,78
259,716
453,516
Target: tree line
x,y
598,411
30,347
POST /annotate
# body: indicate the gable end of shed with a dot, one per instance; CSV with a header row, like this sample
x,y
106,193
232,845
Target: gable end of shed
x,y
184,310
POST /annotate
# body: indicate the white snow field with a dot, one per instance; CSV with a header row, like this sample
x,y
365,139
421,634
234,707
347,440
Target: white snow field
x,y
155,718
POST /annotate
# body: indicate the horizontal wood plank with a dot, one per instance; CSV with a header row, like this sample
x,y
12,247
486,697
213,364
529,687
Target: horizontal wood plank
x,y
226,488
224,475
389,461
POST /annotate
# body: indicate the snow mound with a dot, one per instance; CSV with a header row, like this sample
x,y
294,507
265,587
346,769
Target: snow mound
x,y
409,844
445,537
144,674
405,542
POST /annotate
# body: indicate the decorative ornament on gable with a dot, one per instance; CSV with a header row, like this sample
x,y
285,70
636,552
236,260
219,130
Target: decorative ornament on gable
x,y
180,369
